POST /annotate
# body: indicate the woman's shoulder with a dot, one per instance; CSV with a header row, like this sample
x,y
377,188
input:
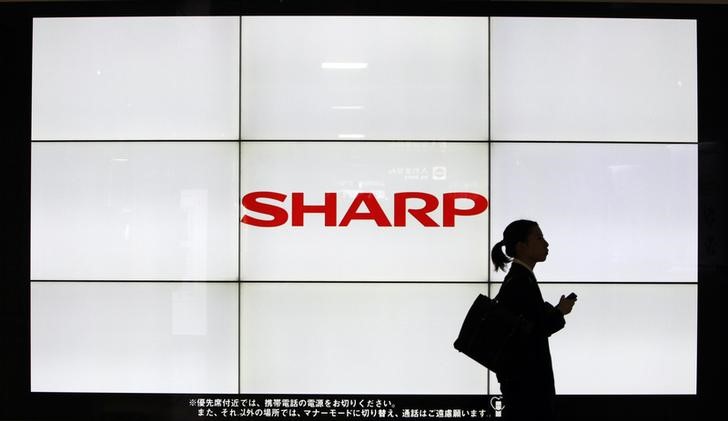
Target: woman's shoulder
x,y
518,273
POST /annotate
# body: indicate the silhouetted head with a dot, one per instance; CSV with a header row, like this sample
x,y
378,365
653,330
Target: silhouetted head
x,y
523,240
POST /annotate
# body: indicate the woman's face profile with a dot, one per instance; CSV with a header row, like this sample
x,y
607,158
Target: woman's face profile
x,y
535,249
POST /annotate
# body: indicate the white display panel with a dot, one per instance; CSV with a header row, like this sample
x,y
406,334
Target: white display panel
x,y
593,79
134,337
624,340
103,211
611,212
130,211
136,78
356,339
365,78
363,250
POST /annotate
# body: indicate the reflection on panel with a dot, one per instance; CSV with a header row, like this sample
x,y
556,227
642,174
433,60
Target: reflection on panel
x,y
624,340
135,78
365,78
593,79
364,211
134,211
609,212
134,337
356,338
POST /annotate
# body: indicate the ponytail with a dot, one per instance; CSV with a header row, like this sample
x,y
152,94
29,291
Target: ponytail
x,y
516,231
500,260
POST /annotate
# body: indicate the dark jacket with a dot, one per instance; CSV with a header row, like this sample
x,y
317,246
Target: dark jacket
x,y
521,295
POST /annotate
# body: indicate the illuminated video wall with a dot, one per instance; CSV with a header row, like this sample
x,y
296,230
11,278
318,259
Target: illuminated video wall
x,y
307,204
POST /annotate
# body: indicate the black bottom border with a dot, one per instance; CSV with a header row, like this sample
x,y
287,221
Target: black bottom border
x,y
188,407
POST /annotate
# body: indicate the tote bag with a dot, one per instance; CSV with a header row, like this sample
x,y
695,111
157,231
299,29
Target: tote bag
x,y
492,335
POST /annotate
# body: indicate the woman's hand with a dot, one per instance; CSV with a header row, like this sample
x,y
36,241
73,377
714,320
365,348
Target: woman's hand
x,y
565,305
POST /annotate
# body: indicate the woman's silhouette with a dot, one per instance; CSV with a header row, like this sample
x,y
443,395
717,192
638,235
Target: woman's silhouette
x,y
528,390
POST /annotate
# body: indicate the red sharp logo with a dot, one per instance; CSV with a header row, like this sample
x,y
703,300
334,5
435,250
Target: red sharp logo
x,y
365,206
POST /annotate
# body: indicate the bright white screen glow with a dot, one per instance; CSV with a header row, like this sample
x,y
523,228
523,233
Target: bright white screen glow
x,y
593,79
357,309
139,210
135,78
610,212
363,250
390,78
642,332
356,338
134,337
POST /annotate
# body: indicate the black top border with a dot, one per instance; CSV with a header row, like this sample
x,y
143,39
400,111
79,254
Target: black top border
x,y
452,8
